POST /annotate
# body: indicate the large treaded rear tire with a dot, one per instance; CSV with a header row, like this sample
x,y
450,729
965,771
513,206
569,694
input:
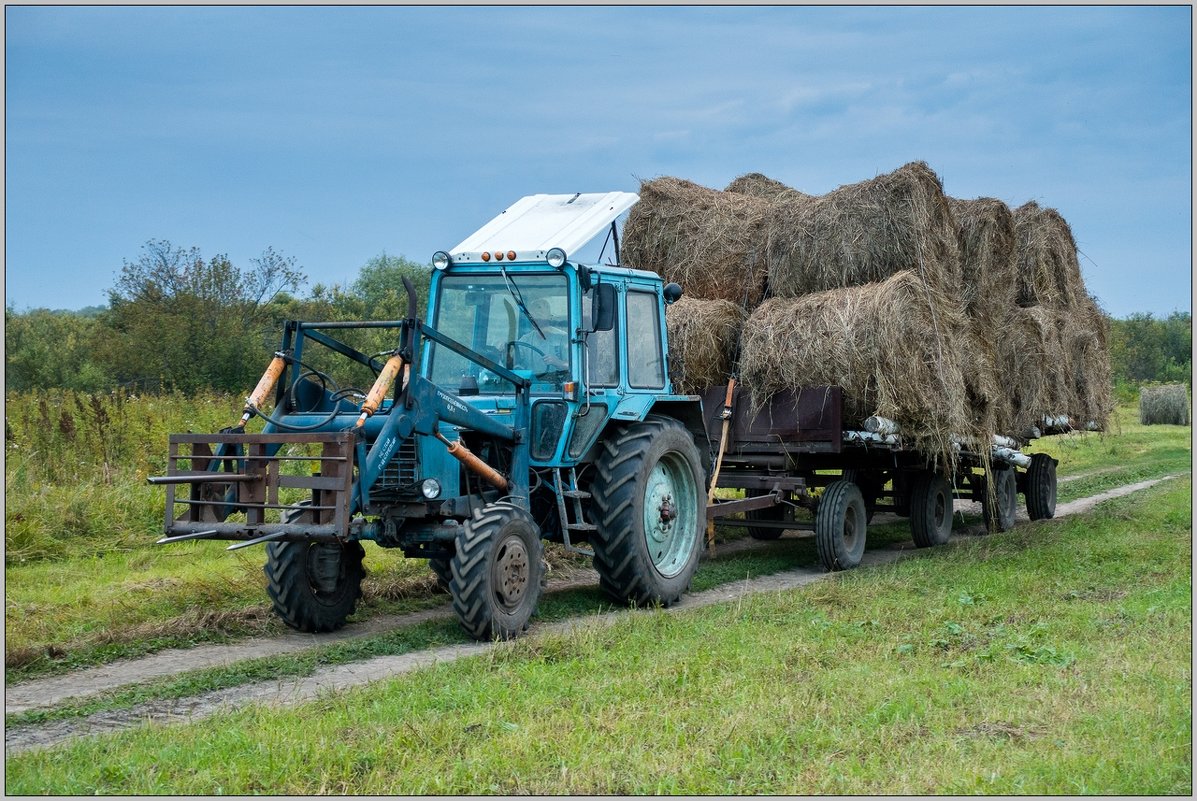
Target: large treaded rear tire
x,y
497,572
293,584
1041,487
930,509
642,555
840,526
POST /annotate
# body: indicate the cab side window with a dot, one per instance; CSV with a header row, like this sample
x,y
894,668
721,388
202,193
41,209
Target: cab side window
x,y
602,351
646,368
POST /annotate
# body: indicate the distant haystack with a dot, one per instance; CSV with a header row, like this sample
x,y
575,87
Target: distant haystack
x,y
1166,404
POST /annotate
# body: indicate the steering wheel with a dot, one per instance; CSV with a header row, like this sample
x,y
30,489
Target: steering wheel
x,y
510,350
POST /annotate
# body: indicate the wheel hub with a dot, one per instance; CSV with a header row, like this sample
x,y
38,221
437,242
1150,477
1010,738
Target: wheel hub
x,y
511,572
668,510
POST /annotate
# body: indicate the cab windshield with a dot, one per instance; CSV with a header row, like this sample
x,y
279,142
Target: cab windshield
x,y
484,313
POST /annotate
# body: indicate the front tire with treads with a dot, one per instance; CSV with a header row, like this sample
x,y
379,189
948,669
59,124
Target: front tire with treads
x,y
650,496
496,572
314,586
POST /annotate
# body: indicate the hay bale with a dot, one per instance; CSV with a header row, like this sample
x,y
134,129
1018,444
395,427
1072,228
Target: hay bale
x,y
703,337
761,186
1034,366
1048,271
1166,404
864,233
1086,339
708,241
895,348
989,270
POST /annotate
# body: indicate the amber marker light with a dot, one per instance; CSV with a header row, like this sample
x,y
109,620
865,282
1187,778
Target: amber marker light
x,y
511,255
485,256
499,255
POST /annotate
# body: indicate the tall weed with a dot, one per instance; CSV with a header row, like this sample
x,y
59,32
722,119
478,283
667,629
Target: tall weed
x,y
76,465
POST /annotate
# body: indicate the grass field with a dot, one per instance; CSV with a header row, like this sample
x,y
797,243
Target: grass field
x,y
95,602
101,597
1053,659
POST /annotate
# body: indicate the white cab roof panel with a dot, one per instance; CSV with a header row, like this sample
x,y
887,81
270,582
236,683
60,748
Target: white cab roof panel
x,y
534,224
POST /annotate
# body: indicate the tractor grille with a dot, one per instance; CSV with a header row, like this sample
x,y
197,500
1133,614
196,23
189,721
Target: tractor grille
x,y
401,471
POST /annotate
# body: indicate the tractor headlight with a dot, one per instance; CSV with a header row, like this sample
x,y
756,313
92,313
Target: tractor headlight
x,y
431,488
555,257
440,260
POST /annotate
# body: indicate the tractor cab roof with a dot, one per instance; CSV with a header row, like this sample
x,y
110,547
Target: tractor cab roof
x,y
536,224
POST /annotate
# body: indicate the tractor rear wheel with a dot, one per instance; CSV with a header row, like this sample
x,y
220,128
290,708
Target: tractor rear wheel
x,y
314,586
496,572
840,526
650,496
1041,487
930,509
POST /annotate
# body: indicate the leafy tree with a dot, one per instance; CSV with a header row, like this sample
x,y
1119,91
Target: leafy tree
x,y
380,286
177,321
44,348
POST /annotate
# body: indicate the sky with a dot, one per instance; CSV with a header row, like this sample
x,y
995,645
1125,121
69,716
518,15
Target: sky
x,y
333,134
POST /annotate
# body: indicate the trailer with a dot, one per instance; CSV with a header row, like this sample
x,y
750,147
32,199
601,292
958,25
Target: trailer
x,y
797,452
534,402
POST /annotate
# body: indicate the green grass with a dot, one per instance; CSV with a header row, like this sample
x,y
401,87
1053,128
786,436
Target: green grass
x,y
1053,659
96,602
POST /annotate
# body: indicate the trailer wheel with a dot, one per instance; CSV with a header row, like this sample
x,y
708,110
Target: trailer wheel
x,y
840,526
648,492
999,513
314,586
930,509
496,572
871,486
1041,487
773,514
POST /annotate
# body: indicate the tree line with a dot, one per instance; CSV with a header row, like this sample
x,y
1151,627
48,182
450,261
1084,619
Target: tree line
x,y
176,321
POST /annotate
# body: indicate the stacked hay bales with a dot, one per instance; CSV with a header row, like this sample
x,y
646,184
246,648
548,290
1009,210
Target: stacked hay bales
x,y
887,344
948,316
1166,404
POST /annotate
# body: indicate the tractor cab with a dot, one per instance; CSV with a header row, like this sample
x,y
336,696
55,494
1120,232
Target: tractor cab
x,y
589,339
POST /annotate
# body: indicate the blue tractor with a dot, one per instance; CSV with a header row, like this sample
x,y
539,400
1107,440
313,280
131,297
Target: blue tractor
x,y
533,403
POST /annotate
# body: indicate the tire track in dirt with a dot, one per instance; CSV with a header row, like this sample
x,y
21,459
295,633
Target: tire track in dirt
x,y
339,677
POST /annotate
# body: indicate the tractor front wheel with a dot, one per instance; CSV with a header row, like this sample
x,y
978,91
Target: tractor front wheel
x,y
314,586
496,572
